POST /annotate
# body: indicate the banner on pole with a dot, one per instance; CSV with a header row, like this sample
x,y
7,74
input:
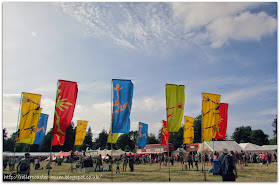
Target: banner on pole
x,y
189,130
142,135
112,137
165,134
80,132
64,109
175,101
41,129
210,115
29,118
122,103
222,123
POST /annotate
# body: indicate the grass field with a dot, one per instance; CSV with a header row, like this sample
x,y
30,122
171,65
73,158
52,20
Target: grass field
x,y
146,173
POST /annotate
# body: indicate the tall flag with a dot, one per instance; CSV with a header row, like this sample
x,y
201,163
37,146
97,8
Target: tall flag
x,y
64,109
41,129
222,123
112,137
189,130
142,135
165,134
210,115
175,101
81,130
29,118
122,102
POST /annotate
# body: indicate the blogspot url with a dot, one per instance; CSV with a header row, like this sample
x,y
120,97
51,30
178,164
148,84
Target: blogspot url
x,y
51,177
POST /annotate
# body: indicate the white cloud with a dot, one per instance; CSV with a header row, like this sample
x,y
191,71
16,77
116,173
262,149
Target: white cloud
x,y
34,34
268,112
238,96
246,26
145,25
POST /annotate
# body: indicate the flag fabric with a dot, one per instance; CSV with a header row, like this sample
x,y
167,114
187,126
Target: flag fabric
x,y
64,109
165,134
29,118
210,115
175,101
81,130
189,130
41,129
222,123
142,135
112,137
122,103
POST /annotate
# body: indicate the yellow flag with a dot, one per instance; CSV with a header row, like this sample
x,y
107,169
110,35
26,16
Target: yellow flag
x,y
175,102
189,130
210,115
112,137
29,118
80,132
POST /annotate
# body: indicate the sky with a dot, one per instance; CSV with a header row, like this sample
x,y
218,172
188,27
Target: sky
x,y
222,48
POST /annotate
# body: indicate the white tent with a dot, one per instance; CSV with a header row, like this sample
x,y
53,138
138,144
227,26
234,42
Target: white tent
x,y
270,148
105,152
218,146
251,148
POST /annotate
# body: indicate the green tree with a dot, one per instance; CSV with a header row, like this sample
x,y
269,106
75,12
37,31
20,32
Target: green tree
x,y
176,138
197,129
242,134
273,141
151,139
101,140
88,142
46,145
127,141
258,137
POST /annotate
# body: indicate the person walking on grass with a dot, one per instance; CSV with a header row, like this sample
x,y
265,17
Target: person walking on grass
x,y
23,168
227,166
190,160
131,161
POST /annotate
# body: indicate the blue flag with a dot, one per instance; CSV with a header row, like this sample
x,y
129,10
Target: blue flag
x,y
41,129
122,103
142,135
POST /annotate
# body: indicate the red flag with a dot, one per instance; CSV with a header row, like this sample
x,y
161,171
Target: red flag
x,y
64,109
165,134
222,123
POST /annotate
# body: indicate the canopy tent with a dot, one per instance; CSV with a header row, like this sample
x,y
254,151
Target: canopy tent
x,y
270,148
105,152
218,146
62,154
251,148
32,154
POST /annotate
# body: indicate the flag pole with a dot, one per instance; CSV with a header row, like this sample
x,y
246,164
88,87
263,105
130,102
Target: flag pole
x,y
19,113
112,129
52,139
202,142
168,159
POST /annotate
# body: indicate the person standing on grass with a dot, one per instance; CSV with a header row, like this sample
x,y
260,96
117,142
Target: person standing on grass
x,y
275,157
131,161
196,159
227,165
23,168
98,163
118,166
125,161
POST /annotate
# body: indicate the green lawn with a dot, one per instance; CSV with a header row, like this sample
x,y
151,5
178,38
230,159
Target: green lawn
x,y
153,173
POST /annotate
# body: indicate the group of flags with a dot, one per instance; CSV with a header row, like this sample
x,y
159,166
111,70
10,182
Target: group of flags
x,y
33,123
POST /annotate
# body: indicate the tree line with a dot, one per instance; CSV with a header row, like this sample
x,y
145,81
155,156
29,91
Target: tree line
x,y
127,142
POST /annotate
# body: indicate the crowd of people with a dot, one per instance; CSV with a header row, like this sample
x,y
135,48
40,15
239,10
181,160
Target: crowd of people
x,y
190,160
